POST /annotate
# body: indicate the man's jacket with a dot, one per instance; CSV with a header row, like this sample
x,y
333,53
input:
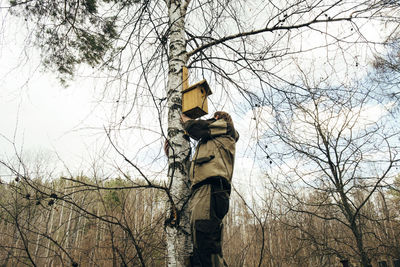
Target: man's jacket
x,y
215,152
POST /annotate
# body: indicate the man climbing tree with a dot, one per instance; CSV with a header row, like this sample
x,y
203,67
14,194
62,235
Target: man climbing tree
x,y
210,175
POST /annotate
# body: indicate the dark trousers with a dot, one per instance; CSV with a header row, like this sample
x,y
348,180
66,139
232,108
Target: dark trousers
x,y
209,205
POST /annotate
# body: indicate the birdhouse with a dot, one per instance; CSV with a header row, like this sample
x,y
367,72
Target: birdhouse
x,y
194,98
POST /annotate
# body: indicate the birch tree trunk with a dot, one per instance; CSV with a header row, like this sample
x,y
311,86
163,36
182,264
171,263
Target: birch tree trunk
x,y
177,224
49,232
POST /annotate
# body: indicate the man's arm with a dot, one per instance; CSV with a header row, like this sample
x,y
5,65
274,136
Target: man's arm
x,y
204,128
198,129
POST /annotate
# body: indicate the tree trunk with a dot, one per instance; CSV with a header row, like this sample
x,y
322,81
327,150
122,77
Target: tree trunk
x,y
39,224
354,227
49,232
177,224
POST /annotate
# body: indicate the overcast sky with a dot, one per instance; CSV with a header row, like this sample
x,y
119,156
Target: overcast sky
x,y
37,113
40,116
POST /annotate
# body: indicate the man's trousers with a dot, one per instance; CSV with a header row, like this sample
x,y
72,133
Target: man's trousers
x,y
209,204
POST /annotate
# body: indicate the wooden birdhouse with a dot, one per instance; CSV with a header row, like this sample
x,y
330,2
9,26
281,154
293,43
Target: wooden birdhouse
x,y
194,98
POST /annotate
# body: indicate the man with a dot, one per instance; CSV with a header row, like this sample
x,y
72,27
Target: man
x,y
210,175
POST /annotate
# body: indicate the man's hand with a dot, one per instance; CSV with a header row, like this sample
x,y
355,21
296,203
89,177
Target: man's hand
x,y
184,118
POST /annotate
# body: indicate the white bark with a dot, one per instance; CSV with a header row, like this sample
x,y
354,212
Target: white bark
x,y
68,230
177,227
49,232
38,235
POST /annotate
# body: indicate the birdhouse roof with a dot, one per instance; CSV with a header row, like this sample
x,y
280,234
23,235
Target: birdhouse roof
x,y
203,84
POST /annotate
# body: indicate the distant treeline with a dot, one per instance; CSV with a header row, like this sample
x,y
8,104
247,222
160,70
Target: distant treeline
x,y
88,222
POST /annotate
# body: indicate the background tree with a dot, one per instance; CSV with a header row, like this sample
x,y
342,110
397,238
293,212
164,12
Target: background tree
x,y
339,144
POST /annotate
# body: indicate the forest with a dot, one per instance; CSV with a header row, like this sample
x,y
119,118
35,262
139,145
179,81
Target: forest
x,y
312,88
84,222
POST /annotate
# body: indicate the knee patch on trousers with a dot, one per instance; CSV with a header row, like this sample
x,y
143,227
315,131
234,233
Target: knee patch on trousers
x,y
208,236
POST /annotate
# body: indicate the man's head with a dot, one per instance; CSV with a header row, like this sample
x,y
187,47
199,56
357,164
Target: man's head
x,y
223,115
